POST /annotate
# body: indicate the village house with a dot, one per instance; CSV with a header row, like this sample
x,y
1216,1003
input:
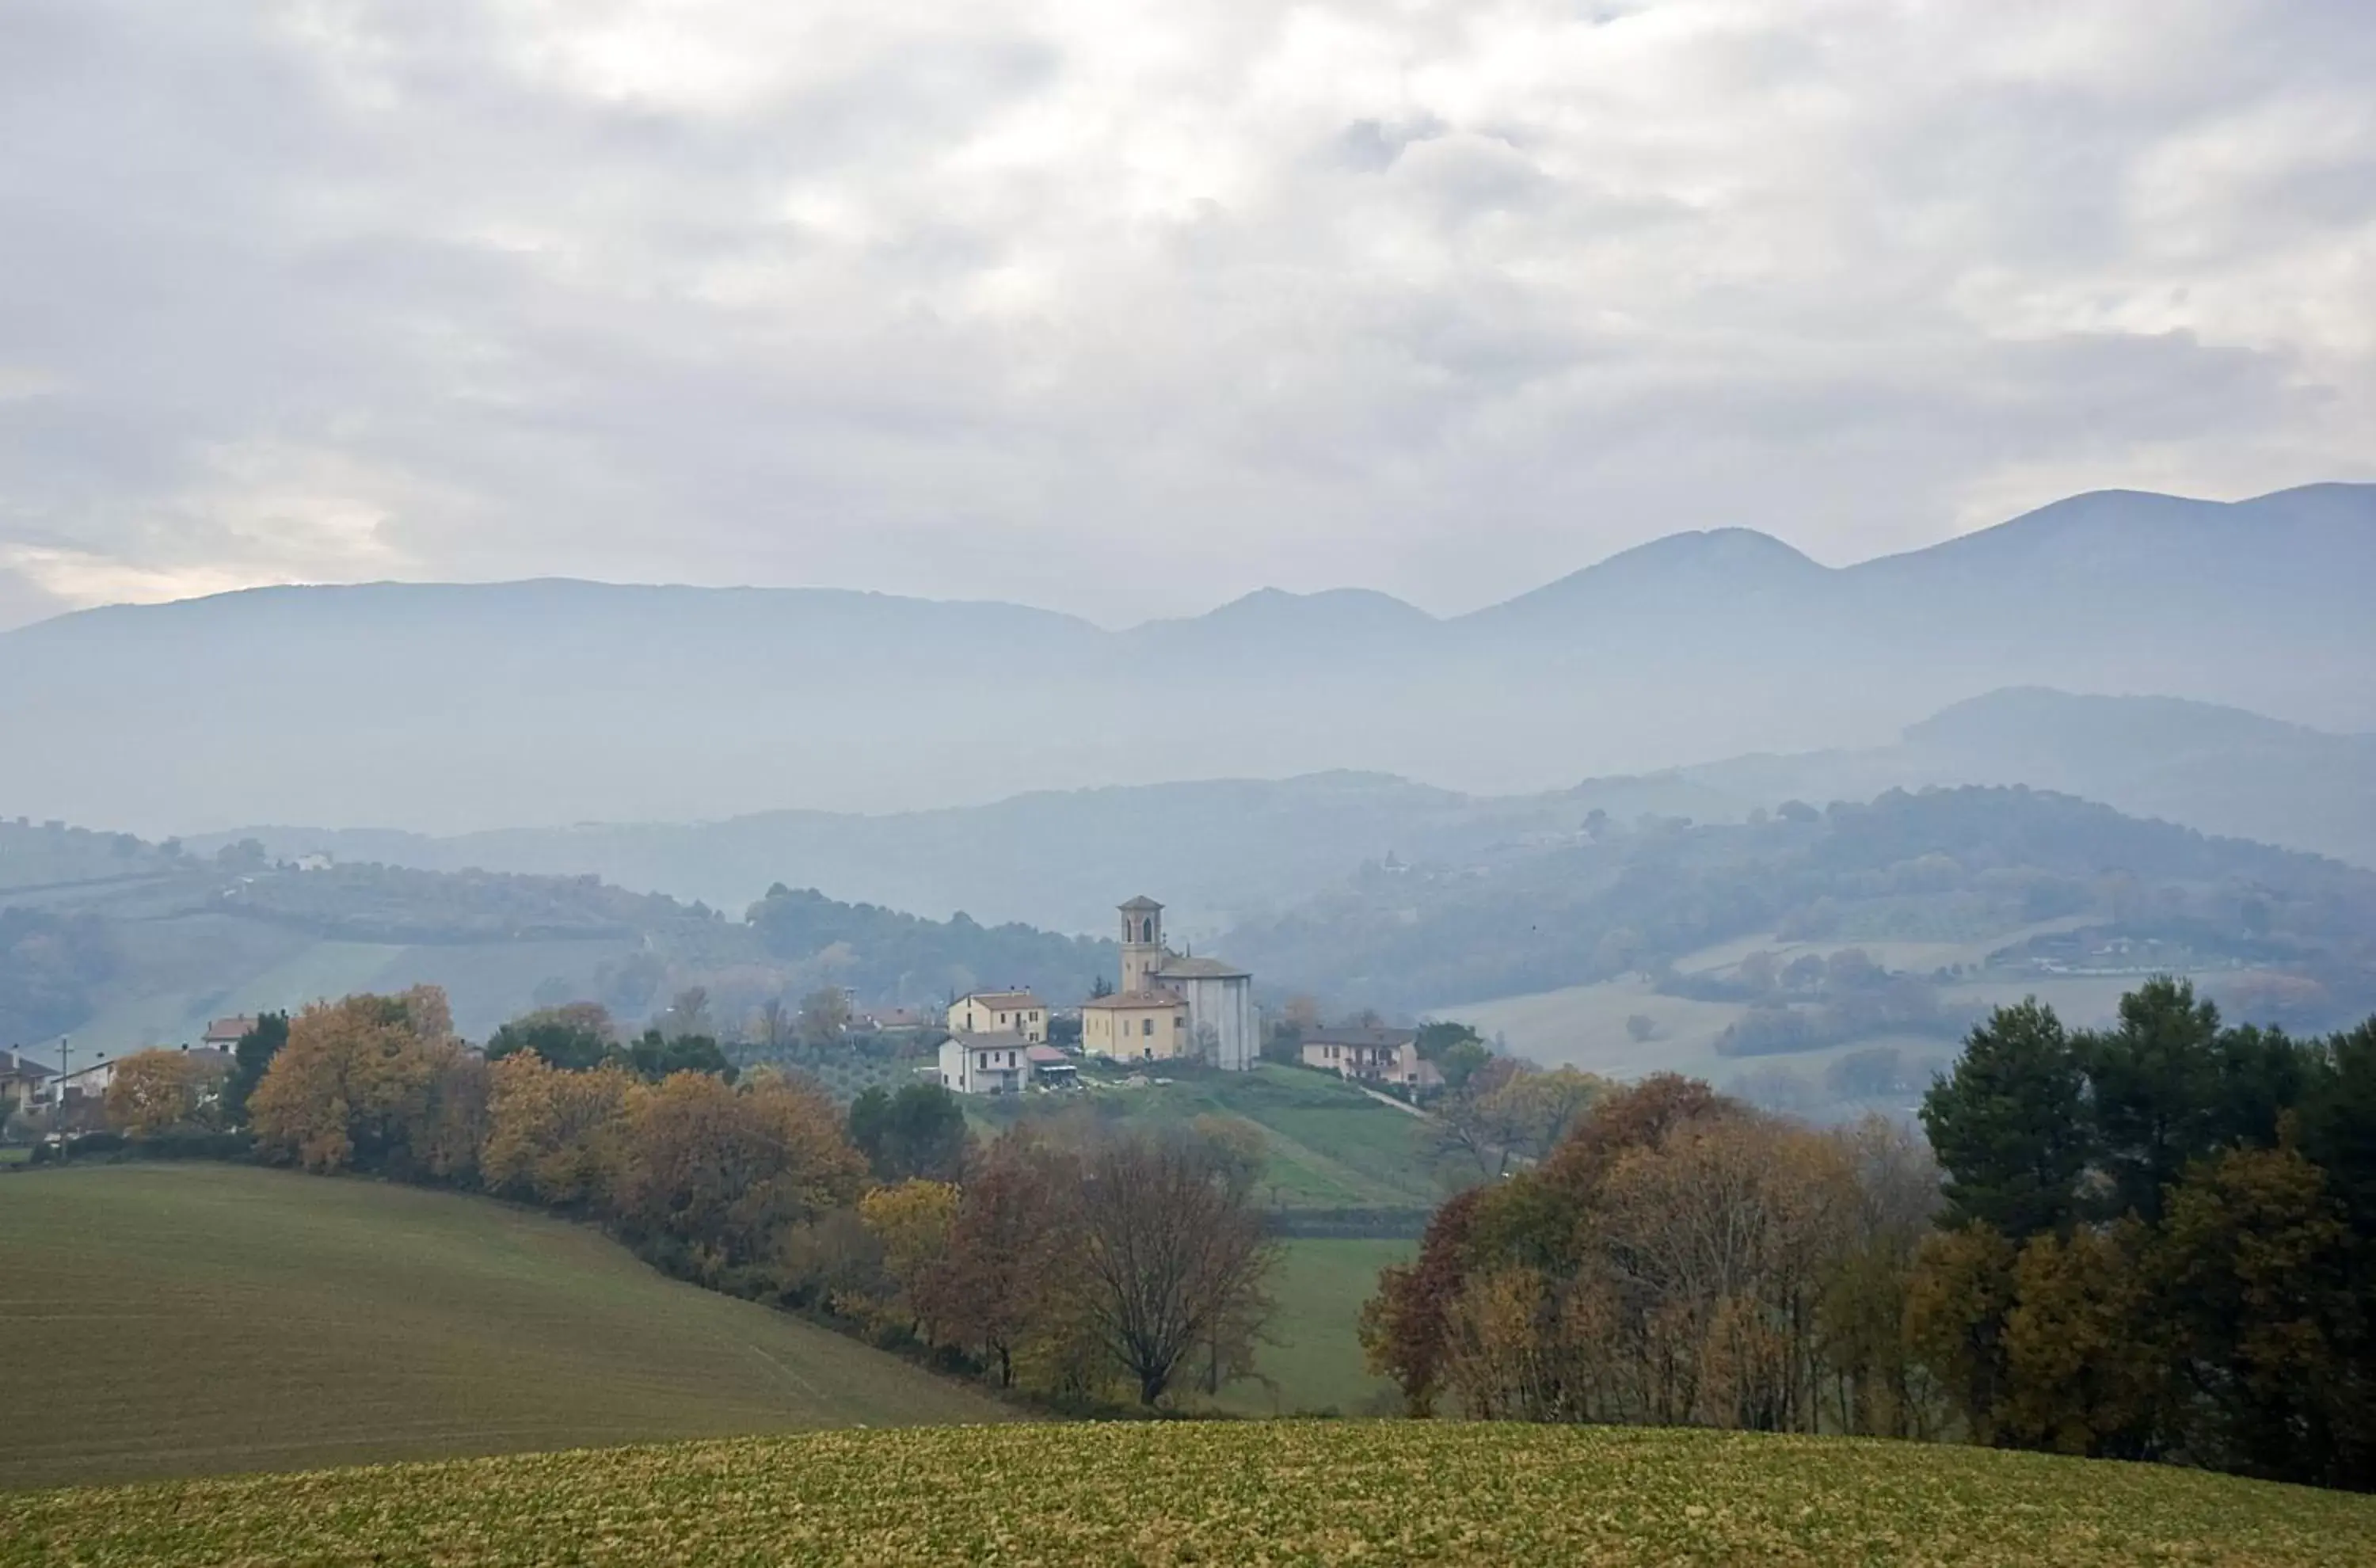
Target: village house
x,y
91,1082
999,1012
1172,1004
1135,1026
21,1081
224,1034
985,1064
1371,1056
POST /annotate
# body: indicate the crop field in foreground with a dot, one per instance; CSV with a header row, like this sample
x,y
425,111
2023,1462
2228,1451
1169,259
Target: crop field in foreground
x,y
175,1320
1226,1492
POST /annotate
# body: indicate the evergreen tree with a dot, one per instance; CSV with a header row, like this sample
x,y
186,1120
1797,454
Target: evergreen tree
x,y
2010,1124
2156,1085
249,1057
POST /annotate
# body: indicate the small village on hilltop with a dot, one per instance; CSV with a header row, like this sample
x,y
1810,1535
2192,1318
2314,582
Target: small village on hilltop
x,y
1170,1007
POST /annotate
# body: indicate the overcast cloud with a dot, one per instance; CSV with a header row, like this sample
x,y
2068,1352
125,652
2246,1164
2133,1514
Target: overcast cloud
x,y
1128,309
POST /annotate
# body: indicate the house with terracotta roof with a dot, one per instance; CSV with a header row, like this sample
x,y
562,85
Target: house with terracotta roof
x,y
985,1064
999,1012
1371,1056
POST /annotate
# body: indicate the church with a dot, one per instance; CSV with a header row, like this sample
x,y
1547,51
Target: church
x,y
1172,1005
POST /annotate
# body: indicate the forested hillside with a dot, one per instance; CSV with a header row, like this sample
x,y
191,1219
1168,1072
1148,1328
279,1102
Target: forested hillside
x,y
129,943
1938,866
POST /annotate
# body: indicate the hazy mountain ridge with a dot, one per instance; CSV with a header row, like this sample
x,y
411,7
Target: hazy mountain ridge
x,y
1230,851
446,708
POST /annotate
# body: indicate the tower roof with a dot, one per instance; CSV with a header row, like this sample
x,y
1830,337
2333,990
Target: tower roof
x,y
1142,905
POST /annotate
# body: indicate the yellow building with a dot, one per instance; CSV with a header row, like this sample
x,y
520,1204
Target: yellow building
x,y
1000,1013
1135,1026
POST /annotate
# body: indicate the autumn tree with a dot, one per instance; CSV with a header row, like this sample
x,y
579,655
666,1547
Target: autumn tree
x,y
1171,1257
554,1134
156,1091
913,1220
720,1169
1009,1253
2269,1319
353,1087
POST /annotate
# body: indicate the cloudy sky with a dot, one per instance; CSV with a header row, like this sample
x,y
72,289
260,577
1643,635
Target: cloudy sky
x,y
1128,309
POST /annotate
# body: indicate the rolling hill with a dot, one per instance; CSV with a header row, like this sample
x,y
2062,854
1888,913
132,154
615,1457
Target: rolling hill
x,y
204,1319
1231,850
1170,1492
126,943
454,707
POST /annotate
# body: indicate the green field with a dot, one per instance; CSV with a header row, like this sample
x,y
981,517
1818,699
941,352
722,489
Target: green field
x,y
1327,1143
1221,1493
1585,1026
186,1319
1311,1361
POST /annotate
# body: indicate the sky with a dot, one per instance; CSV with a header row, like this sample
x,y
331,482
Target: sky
x,y
1127,309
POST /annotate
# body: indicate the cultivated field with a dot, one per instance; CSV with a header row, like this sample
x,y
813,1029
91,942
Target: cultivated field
x,y
188,1320
1224,1493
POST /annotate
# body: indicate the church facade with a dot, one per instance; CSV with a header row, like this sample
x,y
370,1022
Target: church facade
x,y
1171,1005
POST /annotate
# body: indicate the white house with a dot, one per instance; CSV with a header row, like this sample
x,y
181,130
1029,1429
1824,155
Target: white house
x,y
999,1012
986,1064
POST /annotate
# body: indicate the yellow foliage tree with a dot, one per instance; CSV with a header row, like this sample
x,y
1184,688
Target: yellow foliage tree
x,y
724,1169
355,1084
552,1134
154,1091
913,1220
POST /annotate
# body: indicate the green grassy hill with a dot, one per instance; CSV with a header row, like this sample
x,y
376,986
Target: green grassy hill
x,y
187,1320
1221,1493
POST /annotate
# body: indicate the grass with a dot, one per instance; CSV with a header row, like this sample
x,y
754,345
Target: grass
x,y
1327,1145
184,1320
1312,1362
1227,1492
1585,1026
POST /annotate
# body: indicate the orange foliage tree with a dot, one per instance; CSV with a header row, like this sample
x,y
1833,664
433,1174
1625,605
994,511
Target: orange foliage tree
x,y
155,1091
355,1085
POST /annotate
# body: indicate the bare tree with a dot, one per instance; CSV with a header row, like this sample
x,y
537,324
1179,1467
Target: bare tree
x,y
1174,1258
689,1013
776,1024
825,1016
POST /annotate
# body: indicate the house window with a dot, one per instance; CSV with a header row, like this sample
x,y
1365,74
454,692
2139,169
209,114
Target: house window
x,y
1146,1026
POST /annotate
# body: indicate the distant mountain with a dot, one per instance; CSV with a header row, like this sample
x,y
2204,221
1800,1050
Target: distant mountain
x,y
1234,850
444,709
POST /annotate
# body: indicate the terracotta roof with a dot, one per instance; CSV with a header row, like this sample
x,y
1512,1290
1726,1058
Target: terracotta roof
x,y
1048,1056
231,1028
1008,999
1133,999
1200,968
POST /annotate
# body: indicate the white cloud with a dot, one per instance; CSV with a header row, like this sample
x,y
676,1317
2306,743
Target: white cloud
x,y
1126,308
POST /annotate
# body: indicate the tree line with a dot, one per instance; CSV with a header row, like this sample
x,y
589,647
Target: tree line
x,y
2154,1241
1092,1270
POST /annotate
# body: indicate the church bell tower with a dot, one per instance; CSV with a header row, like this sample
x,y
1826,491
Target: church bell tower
x,y
1142,943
